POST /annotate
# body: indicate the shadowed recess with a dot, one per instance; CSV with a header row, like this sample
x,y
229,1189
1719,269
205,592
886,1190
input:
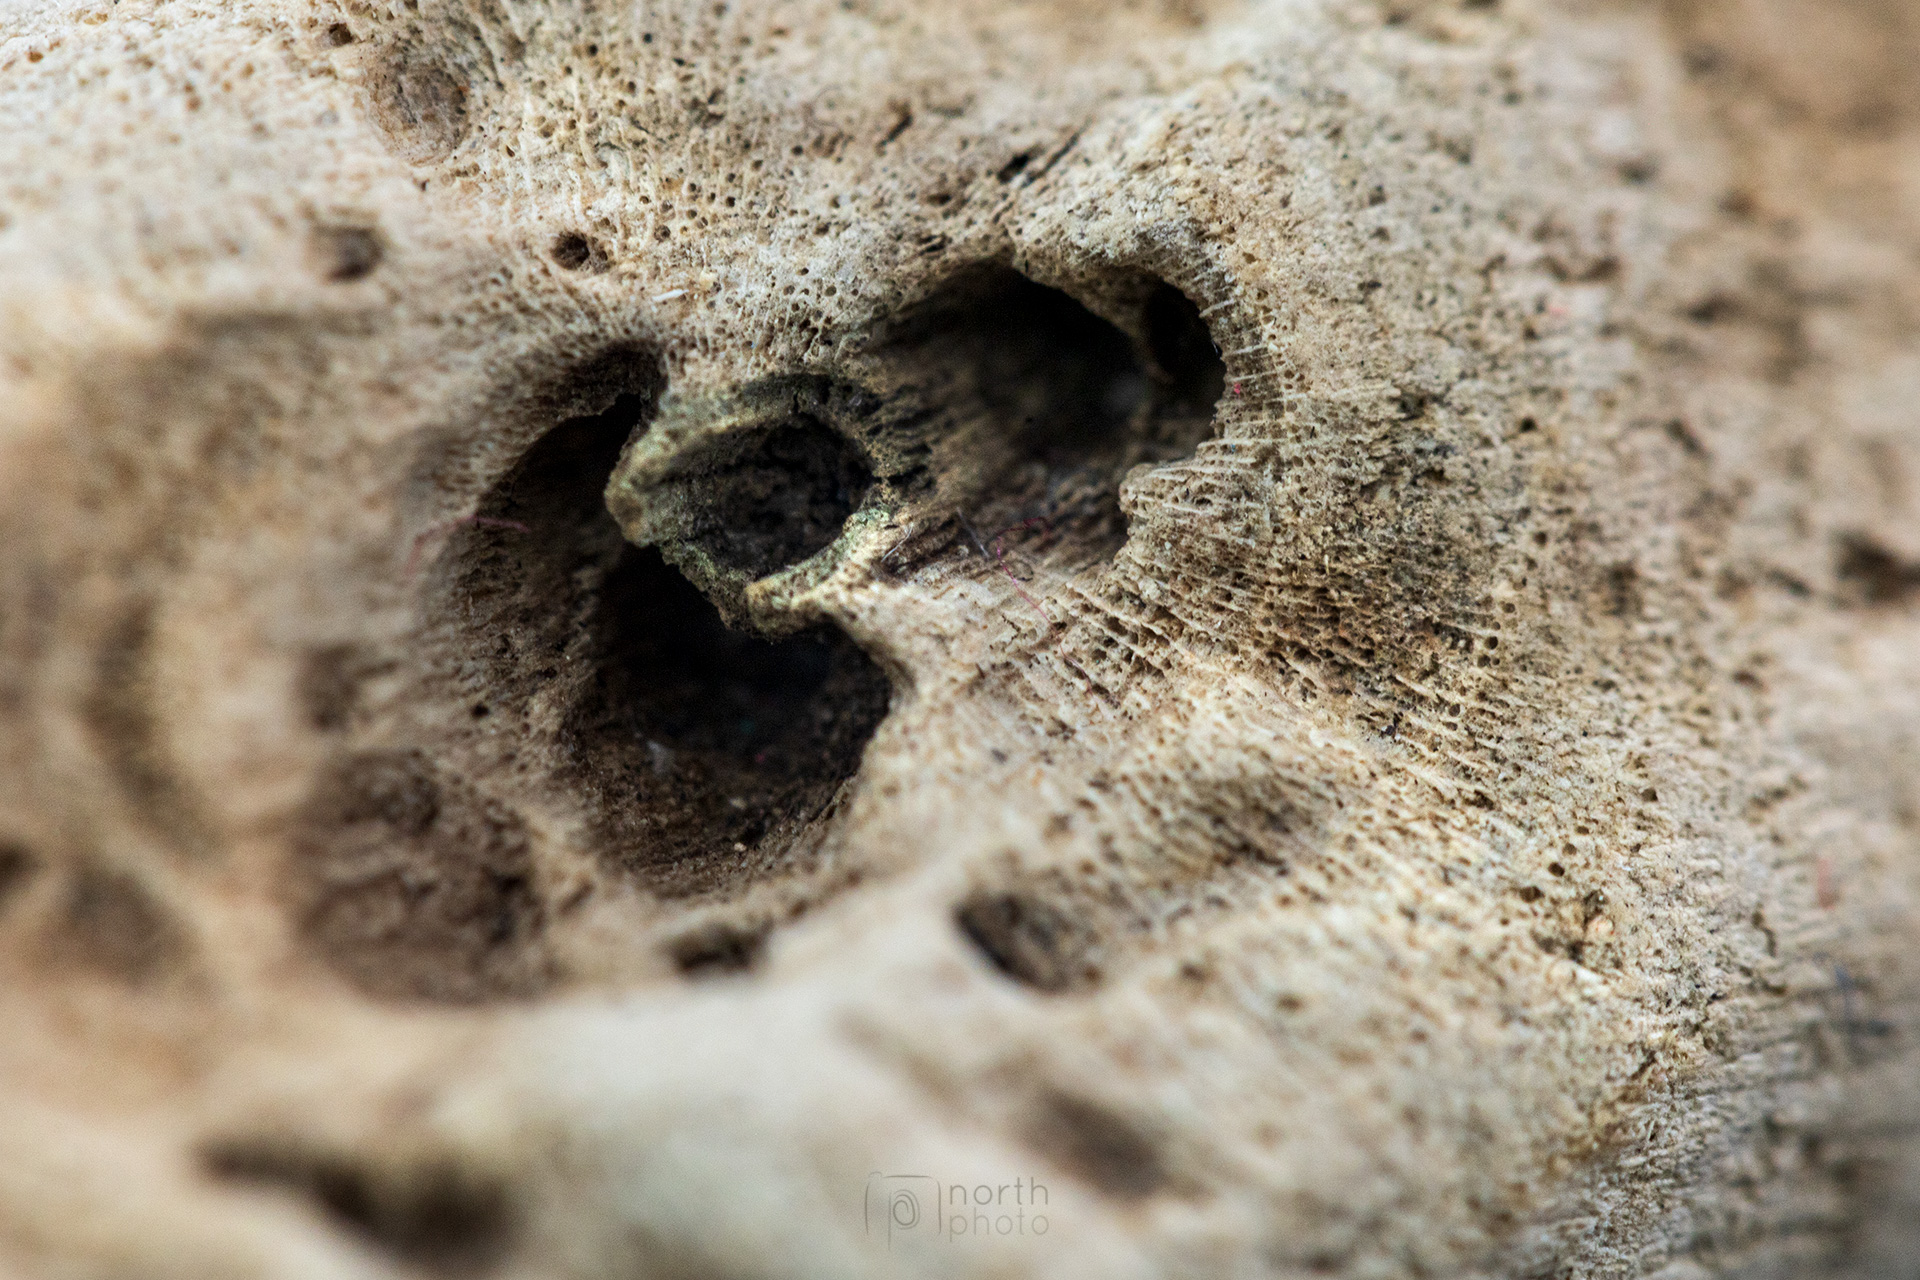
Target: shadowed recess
x,y
1195,375
108,920
17,867
780,496
1870,574
1069,381
715,949
721,737
1055,404
439,1216
1030,940
1098,1145
703,757
412,884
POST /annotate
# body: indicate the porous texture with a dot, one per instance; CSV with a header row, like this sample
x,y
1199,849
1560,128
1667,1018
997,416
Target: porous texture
x,y
636,639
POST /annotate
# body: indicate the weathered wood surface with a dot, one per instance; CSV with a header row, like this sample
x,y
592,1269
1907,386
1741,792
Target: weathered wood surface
x,y
1432,790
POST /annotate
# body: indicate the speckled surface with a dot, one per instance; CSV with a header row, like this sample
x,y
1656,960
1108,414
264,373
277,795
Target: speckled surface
x,y
1328,656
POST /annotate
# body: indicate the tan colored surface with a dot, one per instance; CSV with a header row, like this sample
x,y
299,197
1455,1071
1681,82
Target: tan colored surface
x,y
1455,811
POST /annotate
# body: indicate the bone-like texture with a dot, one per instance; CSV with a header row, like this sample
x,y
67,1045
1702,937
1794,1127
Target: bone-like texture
x,y
1433,790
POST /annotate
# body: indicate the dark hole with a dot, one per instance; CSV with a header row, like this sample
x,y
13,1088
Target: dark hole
x,y
696,683
1414,404
1014,167
348,253
1184,349
1623,594
1713,309
575,252
717,949
1703,59
1066,379
1066,403
1029,940
783,498
1639,171
17,865
699,754
1099,1145
714,737
338,34
438,1216
1875,575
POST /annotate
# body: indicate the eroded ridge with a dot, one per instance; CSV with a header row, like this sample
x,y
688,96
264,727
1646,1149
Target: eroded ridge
x,y
997,409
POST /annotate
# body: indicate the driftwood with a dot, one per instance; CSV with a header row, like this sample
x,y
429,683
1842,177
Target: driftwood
x,y
1021,638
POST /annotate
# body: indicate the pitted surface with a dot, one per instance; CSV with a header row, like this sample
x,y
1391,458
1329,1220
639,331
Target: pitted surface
x,y
1295,618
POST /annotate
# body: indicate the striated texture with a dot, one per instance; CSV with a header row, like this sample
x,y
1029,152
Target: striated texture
x,y
646,640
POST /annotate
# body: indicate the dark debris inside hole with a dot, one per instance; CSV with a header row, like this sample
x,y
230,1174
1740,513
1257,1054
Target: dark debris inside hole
x,y
779,497
703,756
720,738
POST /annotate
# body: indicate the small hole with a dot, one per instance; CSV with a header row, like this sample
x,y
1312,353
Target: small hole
x,y
717,950
576,252
1871,574
1029,940
347,254
17,866
1015,167
1100,1146
338,34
